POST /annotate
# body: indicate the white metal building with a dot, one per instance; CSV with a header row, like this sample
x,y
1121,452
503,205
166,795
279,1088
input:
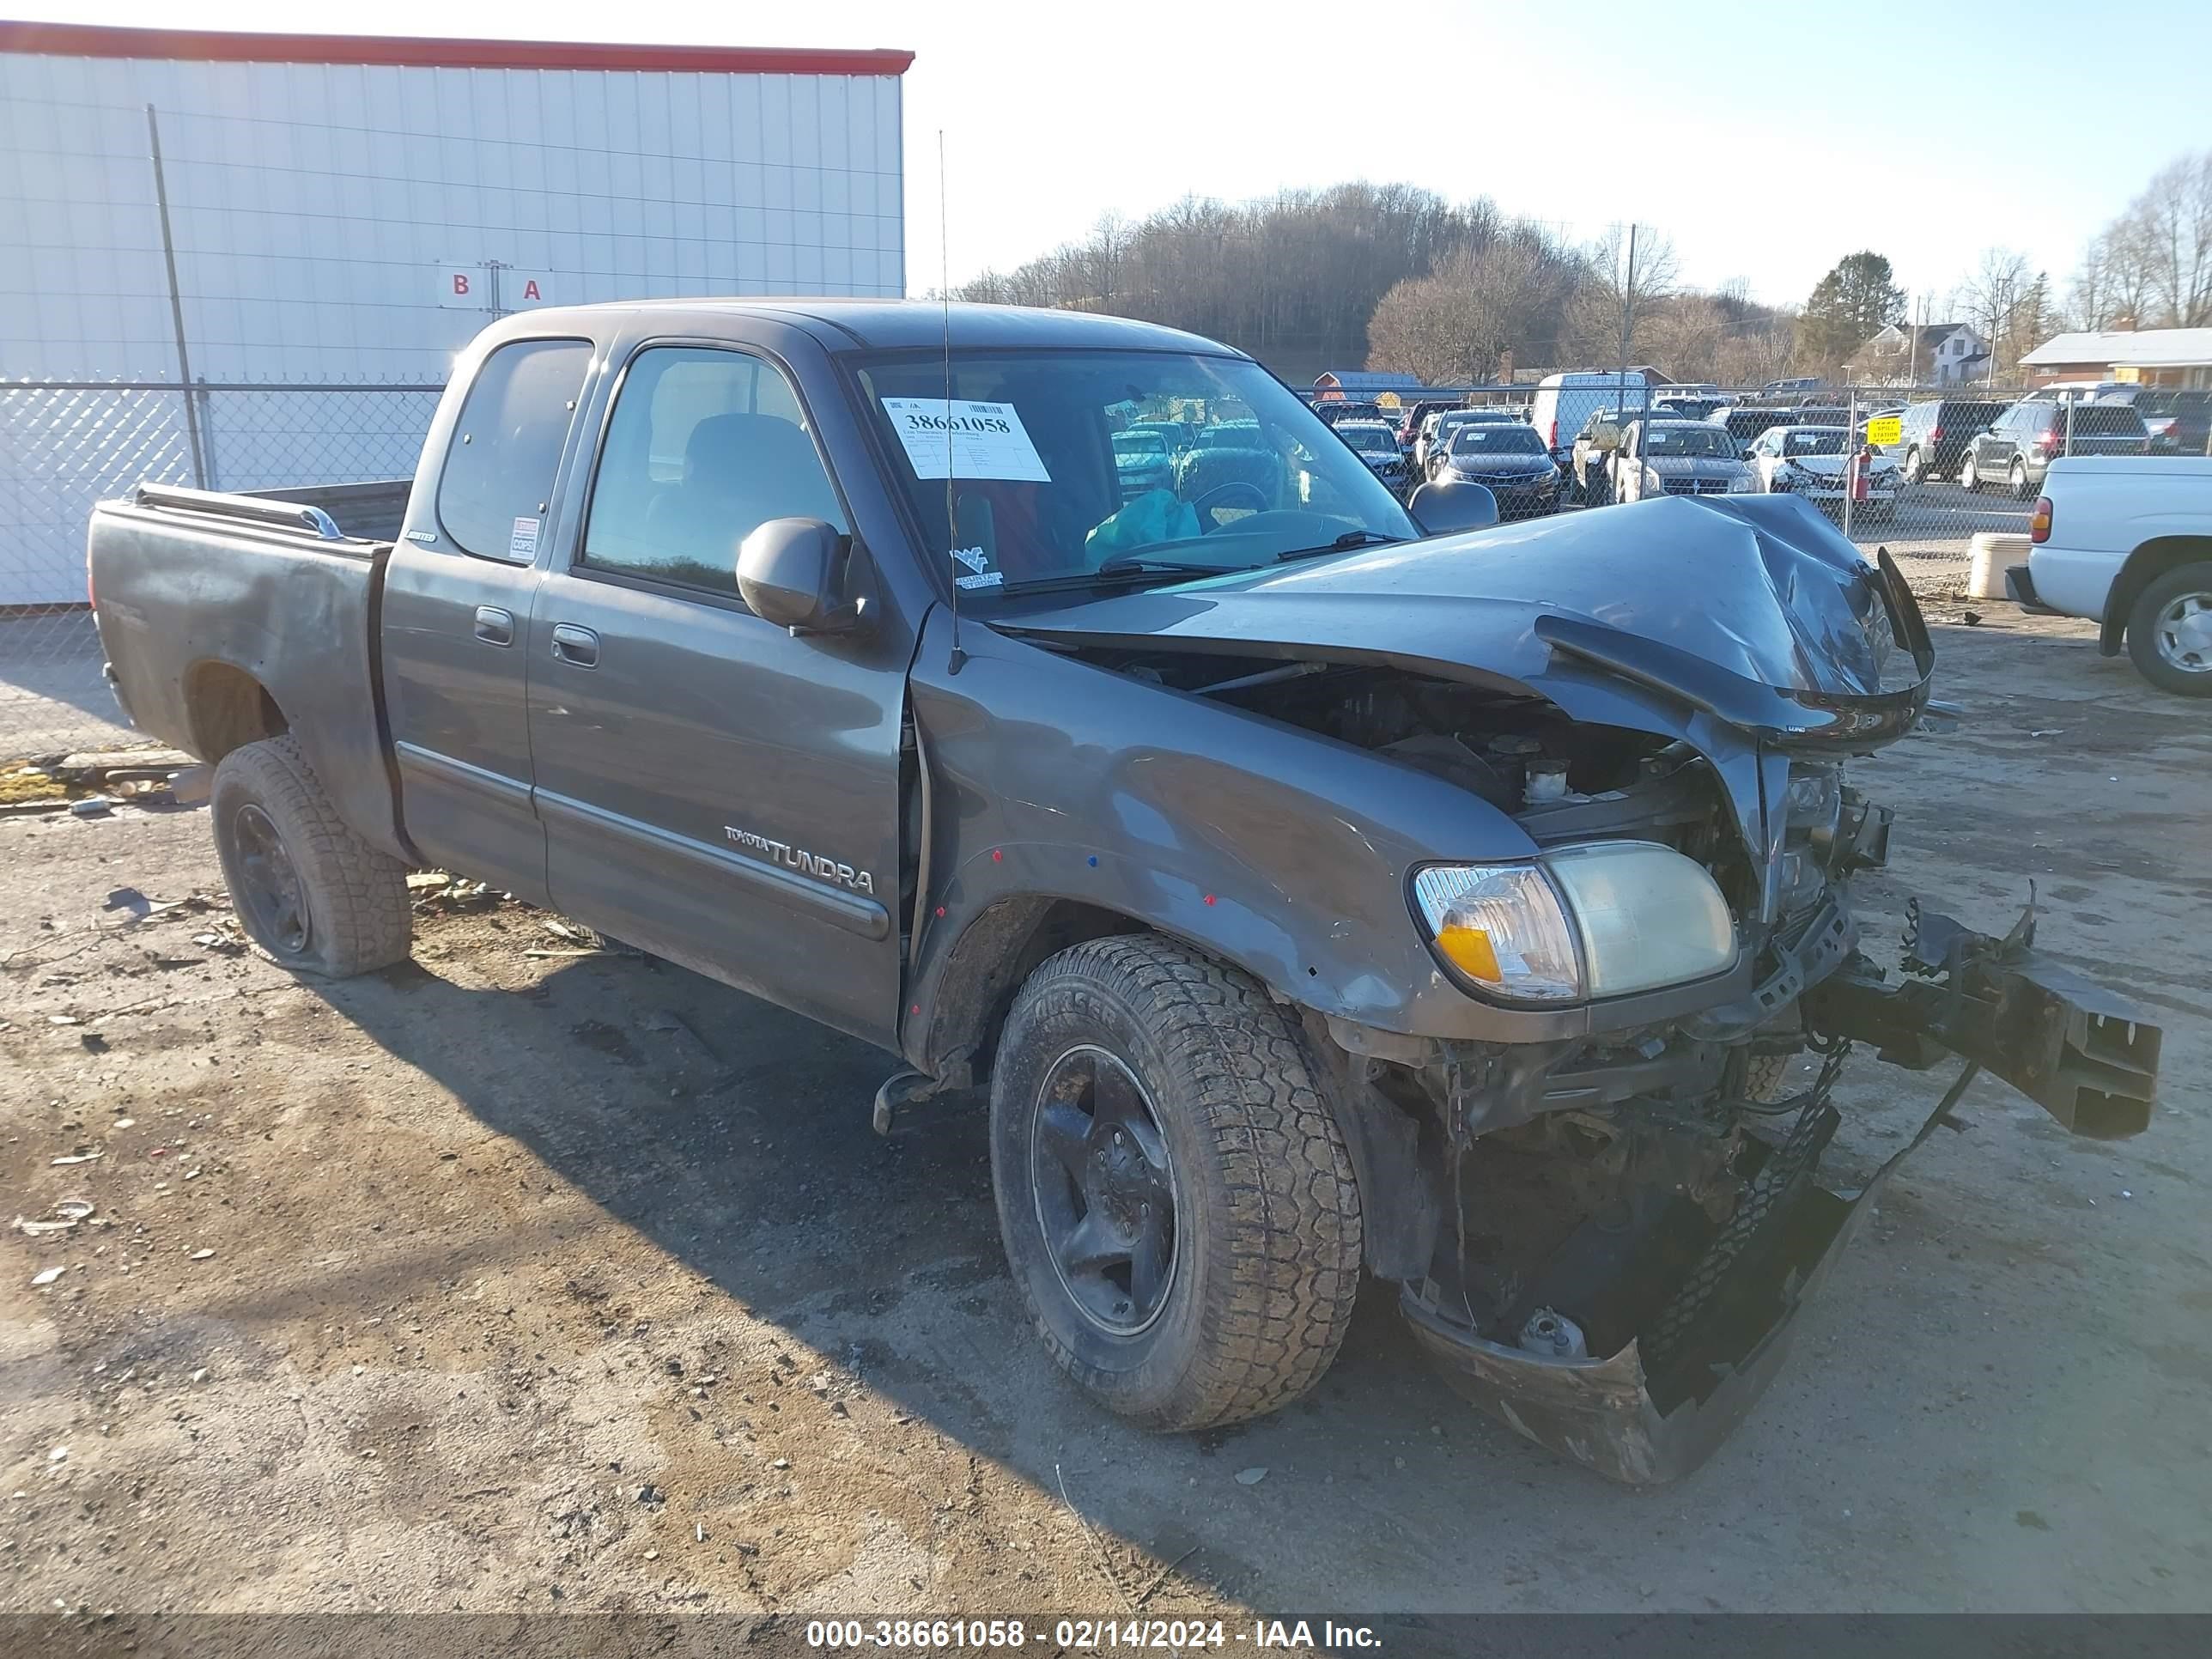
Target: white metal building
x,y
343,212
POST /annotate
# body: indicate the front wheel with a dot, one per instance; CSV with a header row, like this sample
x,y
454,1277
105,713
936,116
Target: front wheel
x,y
307,891
1970,476
1175,1198
2170,631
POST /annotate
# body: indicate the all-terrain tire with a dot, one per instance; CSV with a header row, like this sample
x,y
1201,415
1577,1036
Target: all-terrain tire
x,y
1267,1260
351,898
2146,648
1766,1076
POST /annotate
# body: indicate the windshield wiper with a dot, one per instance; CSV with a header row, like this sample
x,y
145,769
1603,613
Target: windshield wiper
x,y
1129,566
1343,543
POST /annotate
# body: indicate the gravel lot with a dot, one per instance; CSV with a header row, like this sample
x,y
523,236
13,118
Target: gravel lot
x,y
512,1282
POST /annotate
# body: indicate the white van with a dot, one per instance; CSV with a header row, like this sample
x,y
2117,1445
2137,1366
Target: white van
x,y
1563,401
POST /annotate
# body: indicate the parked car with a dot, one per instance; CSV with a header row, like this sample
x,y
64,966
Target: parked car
x,y
1414,419
1510,460
2020,444
1792,387
1744,422
1563,403
1936,432
1141,462
2127,542
1336,410
1436,436
1688,409
1374,443
1813,462
1177,436
1587,461
2175,422
1672,457
2178,422
1258,855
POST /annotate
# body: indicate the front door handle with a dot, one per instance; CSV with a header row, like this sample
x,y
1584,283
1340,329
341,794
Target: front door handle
x,y
578,647
493,625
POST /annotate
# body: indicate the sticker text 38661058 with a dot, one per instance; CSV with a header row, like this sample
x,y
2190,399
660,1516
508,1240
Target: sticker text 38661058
x,y
958,439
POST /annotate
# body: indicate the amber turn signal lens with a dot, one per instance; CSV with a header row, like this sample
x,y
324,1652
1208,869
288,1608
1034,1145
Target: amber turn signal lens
x,y
1471,952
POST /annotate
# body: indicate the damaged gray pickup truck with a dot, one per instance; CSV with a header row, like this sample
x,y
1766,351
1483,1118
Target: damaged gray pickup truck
x,y
1320,887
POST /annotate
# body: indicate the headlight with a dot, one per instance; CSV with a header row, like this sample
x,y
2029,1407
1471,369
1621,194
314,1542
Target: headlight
x,y
1601,919
1740,484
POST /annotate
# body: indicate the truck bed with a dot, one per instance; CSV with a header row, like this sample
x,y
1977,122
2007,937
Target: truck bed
x,y
224,617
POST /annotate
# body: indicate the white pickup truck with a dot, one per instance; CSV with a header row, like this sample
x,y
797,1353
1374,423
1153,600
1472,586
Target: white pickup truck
x,y
2126,541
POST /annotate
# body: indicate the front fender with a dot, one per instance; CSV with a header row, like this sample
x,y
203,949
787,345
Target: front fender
x,y
1284,853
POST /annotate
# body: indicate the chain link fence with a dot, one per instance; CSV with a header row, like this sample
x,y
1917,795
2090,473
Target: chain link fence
x,y
66,445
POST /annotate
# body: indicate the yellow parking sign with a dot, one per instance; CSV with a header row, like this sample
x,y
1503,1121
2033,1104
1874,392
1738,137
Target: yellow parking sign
x,y
1889,429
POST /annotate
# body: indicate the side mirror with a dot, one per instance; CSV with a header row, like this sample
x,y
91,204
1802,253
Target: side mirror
x,y
1452,506
791,573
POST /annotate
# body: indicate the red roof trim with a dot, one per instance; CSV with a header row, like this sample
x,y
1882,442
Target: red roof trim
x,y
224,47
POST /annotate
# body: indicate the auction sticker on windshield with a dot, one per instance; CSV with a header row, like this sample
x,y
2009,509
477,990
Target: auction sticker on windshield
x,y
960,440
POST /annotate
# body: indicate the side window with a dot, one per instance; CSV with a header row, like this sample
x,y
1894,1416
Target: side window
x,y
704,447
497,483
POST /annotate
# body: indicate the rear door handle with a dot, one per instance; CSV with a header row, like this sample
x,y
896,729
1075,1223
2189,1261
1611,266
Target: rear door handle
x,y
493,625
578,647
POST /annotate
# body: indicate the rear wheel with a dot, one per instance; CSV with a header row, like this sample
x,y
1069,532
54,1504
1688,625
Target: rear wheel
x,y
2021,490
2170,631
307,891
1176,1198
1913,471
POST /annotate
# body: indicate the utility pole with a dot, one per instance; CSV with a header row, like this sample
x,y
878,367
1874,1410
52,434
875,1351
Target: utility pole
x,y
1627,318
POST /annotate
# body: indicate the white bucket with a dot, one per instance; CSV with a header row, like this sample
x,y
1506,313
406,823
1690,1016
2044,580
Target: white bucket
x,y
1993,554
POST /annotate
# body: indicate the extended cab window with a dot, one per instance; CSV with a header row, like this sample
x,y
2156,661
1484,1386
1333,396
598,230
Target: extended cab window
x,y
497,484
704,448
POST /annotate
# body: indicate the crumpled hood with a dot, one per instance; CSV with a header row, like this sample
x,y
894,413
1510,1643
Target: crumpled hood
x,y
1751,609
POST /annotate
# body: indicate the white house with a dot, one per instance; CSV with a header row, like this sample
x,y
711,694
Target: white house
x,y
1930,354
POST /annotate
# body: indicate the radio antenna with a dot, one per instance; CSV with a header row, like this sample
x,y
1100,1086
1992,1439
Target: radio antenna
x,y
945,296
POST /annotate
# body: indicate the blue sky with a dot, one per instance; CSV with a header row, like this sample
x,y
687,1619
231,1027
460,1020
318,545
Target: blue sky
x,y
1766,141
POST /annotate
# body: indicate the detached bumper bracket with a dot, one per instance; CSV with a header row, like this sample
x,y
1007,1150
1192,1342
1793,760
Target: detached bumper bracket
x,y
2084,1054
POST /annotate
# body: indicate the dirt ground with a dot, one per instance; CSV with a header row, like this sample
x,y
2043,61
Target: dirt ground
x,y
520,1283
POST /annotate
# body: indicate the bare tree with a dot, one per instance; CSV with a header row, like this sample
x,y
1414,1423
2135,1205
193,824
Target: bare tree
x,y
1478,306
2173,228
2152,265
1989,300
1611,291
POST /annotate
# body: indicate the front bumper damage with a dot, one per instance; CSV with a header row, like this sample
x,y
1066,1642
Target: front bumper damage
x,y
1652,1408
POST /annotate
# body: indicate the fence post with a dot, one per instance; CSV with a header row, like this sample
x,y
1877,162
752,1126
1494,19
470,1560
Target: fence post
x,y
176,300
1849,473
205,404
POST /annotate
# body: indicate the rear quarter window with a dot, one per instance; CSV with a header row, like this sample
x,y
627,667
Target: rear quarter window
x,y
496,486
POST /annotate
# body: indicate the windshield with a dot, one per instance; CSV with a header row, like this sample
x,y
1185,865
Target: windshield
x,y
1820,440
1497,438
1035,495
1681,440
1371,440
